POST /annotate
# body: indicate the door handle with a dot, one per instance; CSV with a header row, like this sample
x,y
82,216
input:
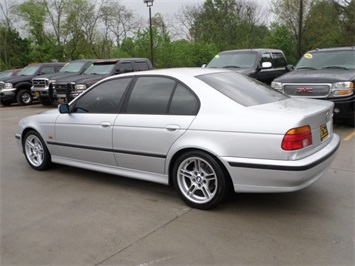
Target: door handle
x,y
105,124
172,127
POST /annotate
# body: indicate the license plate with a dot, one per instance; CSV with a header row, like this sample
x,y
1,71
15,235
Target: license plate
x,y
61,100
37,94
323,132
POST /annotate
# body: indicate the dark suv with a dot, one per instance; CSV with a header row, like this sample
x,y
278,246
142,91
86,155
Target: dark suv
x,y
18,88
327,74
67,88
42,86
262,64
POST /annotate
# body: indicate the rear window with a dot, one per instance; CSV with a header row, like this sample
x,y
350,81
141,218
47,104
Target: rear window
x,y
142,66
241,89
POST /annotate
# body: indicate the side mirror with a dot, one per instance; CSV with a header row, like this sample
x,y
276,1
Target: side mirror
x,y
203,66
290,68
120,71
266,65
63,108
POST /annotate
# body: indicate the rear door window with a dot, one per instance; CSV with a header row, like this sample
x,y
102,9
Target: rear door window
x,y
161,95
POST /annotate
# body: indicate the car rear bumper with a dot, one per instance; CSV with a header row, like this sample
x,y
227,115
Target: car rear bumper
x,y
253,175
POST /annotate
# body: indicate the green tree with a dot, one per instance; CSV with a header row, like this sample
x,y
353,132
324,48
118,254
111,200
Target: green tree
x,y
229,24
13,49
280,37
322,29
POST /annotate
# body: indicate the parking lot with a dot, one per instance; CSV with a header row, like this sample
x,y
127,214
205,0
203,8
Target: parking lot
x,y
70,216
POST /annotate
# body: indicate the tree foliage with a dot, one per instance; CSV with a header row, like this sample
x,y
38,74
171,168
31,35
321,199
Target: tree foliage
x,y
45,30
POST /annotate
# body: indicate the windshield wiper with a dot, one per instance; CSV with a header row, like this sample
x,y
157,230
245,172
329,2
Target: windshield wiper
x,y
231,67
306,68
336,67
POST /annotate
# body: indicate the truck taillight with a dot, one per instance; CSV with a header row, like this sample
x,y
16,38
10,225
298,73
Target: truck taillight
x,y
297,138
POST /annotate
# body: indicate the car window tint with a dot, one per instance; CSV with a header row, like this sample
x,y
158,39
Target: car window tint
x,y
241,89
150,95
266,57
142,66
47,70
104,98
126,66
183,102
279,60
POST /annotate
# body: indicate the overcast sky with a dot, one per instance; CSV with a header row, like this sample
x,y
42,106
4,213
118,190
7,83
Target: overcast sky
x,y
169,7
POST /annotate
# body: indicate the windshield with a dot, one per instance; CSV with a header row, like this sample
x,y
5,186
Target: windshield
x,y
327,59
241,89
5,74
100,69
230,60
28,71
72,67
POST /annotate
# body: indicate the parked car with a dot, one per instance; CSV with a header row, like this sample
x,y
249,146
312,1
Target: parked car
x,y
327,74
42,86
262,64
206,131
9,73
67,88
18,88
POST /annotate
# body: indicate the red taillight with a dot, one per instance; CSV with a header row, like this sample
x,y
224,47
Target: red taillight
x,y
297,138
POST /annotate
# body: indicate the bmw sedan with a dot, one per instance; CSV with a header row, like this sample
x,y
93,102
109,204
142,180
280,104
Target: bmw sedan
x,y
207,132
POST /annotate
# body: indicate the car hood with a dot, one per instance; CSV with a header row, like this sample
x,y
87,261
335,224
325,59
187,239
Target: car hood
x,y
83,79
323,75
58,75
16,79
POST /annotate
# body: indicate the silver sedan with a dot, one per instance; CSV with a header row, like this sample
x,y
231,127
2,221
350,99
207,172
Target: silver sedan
x,y
206,131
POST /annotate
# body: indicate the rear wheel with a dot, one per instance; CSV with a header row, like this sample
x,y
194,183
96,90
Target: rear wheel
x,y
199,180
24,97
36,152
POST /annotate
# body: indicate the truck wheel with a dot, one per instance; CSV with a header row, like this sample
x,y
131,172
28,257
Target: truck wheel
x,y
45,101
24,97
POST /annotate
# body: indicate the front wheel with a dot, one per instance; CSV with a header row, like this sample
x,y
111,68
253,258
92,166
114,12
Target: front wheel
x,y
36,152
24,97
199,180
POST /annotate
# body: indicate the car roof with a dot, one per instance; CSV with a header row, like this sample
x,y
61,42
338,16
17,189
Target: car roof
x,y
119,59
257,50
332,49
178,72
48,64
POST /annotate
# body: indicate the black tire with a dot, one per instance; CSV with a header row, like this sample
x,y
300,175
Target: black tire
x,y
24,97
351,122
199,180
45,101
36,152
6,103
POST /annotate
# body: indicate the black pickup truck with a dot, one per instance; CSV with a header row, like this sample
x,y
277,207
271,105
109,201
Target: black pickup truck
x,y
67,88
262,64
18,88
327,74
42,86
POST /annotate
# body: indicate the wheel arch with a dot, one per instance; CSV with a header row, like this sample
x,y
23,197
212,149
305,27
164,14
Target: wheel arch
x,y
185,150
23,85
